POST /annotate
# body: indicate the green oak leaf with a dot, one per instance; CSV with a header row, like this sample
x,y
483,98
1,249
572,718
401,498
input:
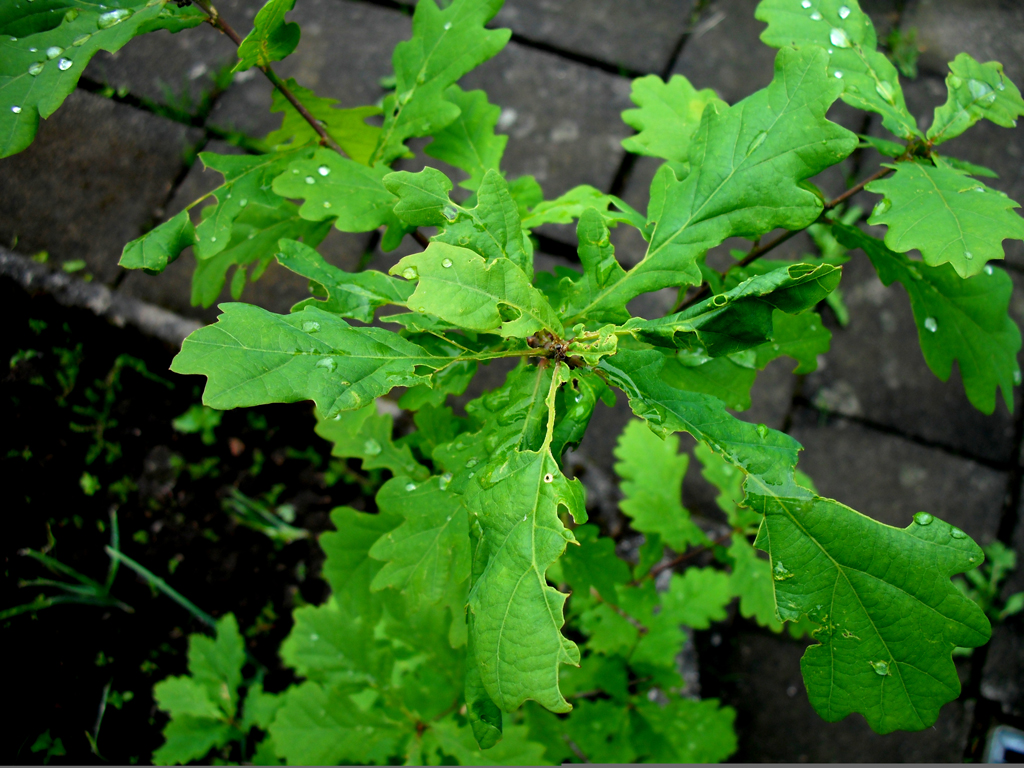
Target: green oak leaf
x,y
160,246
485,718
491,228
447,737
802,337
347,127
348,294
46,48
725,378
741,318
188,738
216,663
962,320
761,150
647,378
185,696
271,39
251,356
970,169
335,187
254,239
888,615
602,731
469,142
459,286
668,115
446,44
685,731
946,215
976,91
593,564
600,268
651,471
247,179
366,434
259,707
570,206
429,553
842,29
322,725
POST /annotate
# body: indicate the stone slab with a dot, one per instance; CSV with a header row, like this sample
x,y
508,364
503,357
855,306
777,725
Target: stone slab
x,y
176,69
875,371
97,176
344,52
776,723
637,36
277,289
889,478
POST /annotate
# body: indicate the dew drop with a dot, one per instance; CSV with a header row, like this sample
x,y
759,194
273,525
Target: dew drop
x,y
446,478
762,431
882,207
310,326
403,98
327,204
447,25
968,255
371,447
33,50
450,213
981,92
446,263
839,74
549,478
473,461
956,533
931,324
781,572
881,667
1016,377
815,16
243,202
64,65
310,180
1001,86
328,363
805,4
54,51
81,40
988,269
213,238
923,518
409,487
111,18
16,110
36,68
843,12
323,170
756,142
410,273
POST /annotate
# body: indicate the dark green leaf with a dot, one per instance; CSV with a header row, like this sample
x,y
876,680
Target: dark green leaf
x,y
271,39
160,246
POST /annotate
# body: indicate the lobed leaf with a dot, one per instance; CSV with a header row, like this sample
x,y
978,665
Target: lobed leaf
x,y
216,664
446,737
188,738
357,295
46,47
366,434
668,115
686,731
446,44
748,162
570,206
651,472
460,287
160,246
469,142
976,91
846,33
600,269
251,356
347,127
946,215
271,39
962,320
888,614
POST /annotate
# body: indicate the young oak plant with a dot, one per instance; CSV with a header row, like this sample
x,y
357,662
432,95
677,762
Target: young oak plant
x,y
448,605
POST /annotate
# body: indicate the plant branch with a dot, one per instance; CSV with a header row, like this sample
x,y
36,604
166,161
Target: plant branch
x,y
691,553
760,250
217,21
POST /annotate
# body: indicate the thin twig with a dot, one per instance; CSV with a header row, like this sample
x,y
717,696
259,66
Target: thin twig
x,y
760,250
687,555
218,21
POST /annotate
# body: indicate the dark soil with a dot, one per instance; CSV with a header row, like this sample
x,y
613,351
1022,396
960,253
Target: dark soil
x,y
166,488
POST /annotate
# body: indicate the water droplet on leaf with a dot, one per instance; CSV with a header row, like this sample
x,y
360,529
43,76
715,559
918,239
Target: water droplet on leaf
x,y
16,110
757,141
328,363
110,18
968,255
886,91
310,326
54,51
447,25
36,68
923,518
781,572
805,4
839,74
815,16
882,207
473,461
956,533
1016,376
327,204
880,667
450,213
323,170
310,180
409,487
843,12
762,431
446,263
988,269
931,324
446,478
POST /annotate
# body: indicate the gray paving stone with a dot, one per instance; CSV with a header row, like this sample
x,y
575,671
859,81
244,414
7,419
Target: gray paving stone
x,y
638,36
344,51
176,69
95,178
776,722
986,29
889,478
277,289
875,371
